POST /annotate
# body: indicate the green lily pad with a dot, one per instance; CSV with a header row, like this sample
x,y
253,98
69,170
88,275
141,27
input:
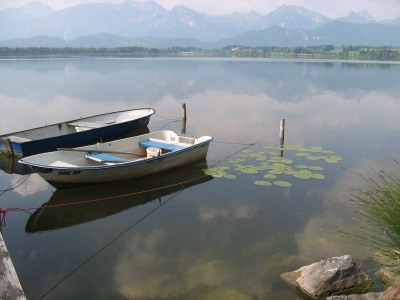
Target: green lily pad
x,y
331,161
301,176
301,167
283,183
305,172
229,176
313,157
249,171
247,151
289,172
269,148
276,172
278,166
262,182
335,157
328,152
317,176
286,161
316,168
261,158
316,148
302,154
223,168
269,176
217,175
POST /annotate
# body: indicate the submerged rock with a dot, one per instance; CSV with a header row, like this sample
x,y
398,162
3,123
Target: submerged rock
x,y
368,296
328,276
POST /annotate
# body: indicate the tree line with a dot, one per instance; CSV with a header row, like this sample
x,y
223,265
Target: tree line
x,y
329,51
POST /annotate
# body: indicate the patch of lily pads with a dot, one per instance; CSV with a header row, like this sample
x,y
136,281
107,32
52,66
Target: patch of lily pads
x,y
272,167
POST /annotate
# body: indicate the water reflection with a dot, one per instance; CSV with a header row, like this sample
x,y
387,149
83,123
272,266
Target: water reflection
x,y
69,210
9,164
122,79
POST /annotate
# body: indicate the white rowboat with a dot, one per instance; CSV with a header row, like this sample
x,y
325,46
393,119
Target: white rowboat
x,y
118,160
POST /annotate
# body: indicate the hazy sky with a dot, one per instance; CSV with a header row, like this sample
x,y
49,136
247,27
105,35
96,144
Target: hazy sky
x,y
378,9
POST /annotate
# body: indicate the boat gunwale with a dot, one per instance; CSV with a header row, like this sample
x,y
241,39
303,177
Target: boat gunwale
x,y
80,119
116,165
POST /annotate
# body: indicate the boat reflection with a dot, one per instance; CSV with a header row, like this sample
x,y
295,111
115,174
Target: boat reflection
x,y
10,165
147,189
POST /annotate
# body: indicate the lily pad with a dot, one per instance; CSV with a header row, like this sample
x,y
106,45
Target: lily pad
x,y
301,167
279,166
229,176
331,161
262,182
247,151
305,172
328,152
316,168
335,157
317,176
276,172
222,168
313,157
302,154
301,176
283,183
269,176
249,171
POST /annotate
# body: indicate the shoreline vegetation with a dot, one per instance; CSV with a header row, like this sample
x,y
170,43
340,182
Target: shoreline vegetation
x,y
317,52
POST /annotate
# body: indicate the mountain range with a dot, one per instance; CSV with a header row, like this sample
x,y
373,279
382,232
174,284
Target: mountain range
x,y
150,24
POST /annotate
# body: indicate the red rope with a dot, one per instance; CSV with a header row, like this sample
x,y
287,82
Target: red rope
x,y
3,212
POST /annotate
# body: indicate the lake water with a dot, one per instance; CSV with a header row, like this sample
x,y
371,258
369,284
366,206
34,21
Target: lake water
x,y
203,237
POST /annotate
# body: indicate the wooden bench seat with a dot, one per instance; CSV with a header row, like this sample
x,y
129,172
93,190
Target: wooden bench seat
x,y
164,146
91,124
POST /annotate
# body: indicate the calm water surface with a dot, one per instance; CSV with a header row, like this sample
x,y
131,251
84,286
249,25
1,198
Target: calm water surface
x,y
203,237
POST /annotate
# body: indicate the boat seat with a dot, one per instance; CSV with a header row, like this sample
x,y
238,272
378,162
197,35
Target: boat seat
x,y
160,145
91,124
105,157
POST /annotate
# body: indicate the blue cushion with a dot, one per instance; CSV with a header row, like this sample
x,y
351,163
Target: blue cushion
x,y
106,157
170,147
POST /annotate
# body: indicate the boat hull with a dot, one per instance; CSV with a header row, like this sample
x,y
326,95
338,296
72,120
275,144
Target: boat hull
x,y
22,148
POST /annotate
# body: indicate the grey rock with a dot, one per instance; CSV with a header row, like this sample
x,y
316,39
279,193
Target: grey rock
x,y
328,276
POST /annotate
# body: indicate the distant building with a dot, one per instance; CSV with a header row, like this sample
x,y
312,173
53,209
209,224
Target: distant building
x,y
236,48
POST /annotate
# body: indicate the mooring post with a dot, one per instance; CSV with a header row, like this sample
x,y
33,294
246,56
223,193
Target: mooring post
x,y
183,128
184,111
281,136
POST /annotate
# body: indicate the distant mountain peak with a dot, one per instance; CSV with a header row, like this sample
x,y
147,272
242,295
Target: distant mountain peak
x,y
361,17
34,9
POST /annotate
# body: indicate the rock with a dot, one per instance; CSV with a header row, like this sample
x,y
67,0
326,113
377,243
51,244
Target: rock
x,y
368,296
328,276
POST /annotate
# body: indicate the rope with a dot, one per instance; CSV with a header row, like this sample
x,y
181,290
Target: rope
x,y
17,184
168,119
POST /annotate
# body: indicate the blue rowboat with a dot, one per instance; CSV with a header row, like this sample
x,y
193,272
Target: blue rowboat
x,y
75,133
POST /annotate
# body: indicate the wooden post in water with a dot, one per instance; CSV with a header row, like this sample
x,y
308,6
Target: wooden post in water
x,y
183,128
281,135
184,111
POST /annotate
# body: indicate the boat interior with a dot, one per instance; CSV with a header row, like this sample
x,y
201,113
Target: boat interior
x,y
116,152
